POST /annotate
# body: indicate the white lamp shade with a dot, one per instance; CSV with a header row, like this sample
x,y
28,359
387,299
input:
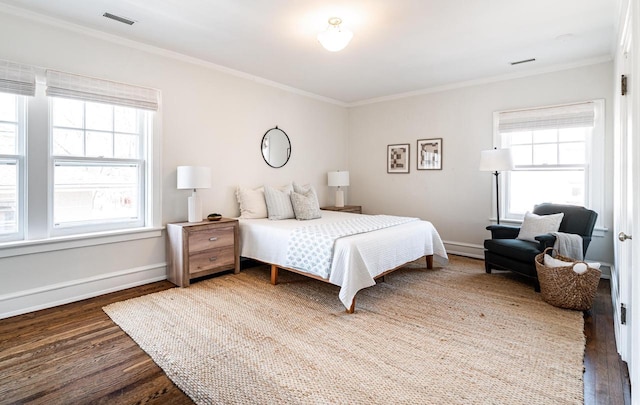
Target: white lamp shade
x,y
194,177
496,160
338,179
335,39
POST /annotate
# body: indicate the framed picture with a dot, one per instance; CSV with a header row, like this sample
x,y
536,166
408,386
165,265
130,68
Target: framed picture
x,y
398,158
430,154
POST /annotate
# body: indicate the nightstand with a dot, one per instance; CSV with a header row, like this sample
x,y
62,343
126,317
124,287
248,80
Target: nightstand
x,y
198,249
355,209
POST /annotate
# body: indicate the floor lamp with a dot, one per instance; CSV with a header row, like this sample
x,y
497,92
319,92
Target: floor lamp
x,y
496,160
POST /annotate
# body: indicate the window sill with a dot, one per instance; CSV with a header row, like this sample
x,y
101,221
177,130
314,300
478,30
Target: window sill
x,y
27,247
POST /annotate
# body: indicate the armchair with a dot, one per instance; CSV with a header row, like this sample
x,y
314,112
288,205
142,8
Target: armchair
x,y
504,252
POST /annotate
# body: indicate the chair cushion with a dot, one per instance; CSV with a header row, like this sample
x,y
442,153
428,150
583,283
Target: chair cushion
x,y
516,249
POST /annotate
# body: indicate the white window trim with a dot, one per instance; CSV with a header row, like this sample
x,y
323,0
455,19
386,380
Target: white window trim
x,y
36,237
595,182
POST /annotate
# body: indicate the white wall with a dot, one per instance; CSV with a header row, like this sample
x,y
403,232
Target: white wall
x,y
458,200
209,118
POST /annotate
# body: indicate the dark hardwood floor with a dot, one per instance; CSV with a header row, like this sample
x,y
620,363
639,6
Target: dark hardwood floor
x,y
75,354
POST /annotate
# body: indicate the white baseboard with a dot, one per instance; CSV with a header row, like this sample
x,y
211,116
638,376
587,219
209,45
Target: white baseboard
x,y
464,249
25,301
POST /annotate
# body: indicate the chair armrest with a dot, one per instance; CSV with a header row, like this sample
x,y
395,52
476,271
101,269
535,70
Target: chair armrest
x,y
503,231
546,240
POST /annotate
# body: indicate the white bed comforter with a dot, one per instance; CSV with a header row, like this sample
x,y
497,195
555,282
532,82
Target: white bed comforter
x,y
357,259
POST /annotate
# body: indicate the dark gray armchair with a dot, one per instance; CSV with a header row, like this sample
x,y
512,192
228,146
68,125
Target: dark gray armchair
x,y
504,252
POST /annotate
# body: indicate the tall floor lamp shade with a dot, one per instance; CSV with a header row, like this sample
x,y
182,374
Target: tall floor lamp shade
x,y
496,160
194,177
338,179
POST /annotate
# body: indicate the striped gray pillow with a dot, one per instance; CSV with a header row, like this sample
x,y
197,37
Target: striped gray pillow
x,y
278,203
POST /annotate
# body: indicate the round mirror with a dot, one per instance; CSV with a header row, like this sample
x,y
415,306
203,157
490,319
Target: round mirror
x,y
276,148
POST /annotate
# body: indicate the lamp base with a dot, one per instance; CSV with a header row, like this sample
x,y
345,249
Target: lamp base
x,y
195,208
339,198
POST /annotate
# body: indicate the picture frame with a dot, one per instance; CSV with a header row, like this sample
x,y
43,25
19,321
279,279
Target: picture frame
x,y
398,158
429,154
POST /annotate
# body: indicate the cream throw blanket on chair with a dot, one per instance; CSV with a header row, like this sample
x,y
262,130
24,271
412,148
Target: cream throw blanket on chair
x,y
568,244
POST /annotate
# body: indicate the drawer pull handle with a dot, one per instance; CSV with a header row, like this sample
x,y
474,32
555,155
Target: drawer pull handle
x,y
213,239
213,259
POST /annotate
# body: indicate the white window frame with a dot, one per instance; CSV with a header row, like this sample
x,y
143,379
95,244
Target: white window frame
x,y
19,160
37,175
146,130
594,168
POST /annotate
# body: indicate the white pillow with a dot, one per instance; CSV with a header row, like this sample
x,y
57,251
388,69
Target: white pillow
x,y
252,203
536,225
279,202
553,262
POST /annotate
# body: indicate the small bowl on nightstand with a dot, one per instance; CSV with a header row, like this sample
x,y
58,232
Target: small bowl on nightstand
x,y
214,217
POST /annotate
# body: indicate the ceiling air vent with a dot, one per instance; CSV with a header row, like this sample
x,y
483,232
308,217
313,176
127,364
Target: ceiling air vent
x,y
118,18
523,61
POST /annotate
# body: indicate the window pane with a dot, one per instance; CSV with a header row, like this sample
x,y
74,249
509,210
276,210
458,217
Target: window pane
x,y
8,198
8,107
528,188
573,134
68,113
68,142
519,138
522,155
126,119
8,138
99,144
571,153
545,154
545,136
94,193
99,117
126,146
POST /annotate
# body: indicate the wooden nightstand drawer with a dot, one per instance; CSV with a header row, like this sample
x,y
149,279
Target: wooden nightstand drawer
x,y
354,209
209,238
197,249
211,259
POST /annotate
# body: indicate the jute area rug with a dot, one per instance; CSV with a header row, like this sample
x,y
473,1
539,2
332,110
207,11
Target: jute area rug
x,y
452,335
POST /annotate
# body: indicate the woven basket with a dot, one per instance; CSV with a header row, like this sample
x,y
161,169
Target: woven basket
x,y
562,287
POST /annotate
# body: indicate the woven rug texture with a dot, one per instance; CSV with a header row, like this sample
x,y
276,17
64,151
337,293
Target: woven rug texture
x,y
450,335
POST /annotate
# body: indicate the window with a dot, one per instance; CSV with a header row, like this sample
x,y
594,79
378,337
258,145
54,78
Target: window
x,y
98,156
95,169
557,153
17,82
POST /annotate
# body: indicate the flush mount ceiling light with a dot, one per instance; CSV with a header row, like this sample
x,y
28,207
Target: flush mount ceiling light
x,y
335,38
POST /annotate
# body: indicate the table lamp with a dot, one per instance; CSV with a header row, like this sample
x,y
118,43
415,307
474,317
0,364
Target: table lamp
x,y
194,177
338,179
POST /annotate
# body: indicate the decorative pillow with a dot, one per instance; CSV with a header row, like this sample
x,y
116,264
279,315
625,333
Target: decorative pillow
x,y
305,205
279,202
252,203
536,225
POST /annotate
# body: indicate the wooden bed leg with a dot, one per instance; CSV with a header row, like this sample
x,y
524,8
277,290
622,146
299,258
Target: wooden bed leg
x,y
353,306
274,274
430,261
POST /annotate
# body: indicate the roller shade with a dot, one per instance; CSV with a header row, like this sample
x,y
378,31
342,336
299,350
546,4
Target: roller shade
x,y
16,78
61,84
566,116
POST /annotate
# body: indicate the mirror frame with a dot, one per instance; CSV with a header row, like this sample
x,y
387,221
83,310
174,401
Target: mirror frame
x,y
262,147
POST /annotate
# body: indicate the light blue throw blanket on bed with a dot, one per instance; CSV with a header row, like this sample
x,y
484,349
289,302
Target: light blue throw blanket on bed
x,y
310,248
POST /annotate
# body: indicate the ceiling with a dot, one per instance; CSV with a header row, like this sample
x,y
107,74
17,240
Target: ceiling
x,y
399,46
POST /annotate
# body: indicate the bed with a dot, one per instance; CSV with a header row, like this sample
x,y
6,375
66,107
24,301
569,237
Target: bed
x,y
357,260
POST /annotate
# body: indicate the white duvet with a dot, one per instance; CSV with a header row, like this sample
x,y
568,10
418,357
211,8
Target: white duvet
x,y
357,259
